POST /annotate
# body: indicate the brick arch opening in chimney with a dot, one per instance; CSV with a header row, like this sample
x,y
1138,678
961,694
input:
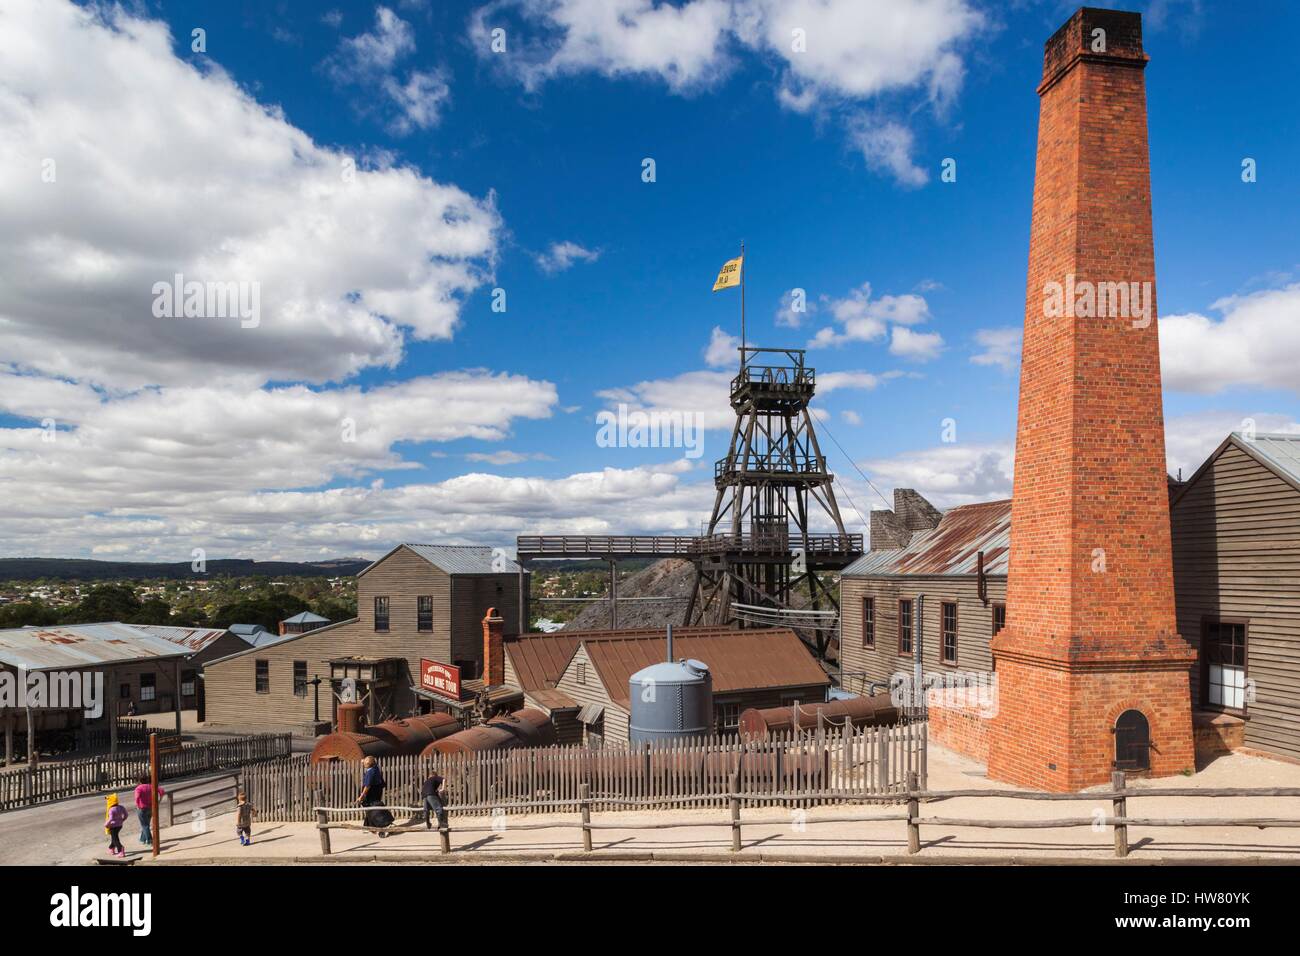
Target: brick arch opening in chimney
x,y
1132,741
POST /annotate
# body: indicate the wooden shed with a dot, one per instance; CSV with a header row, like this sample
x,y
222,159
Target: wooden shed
x,y
1236,541
418,602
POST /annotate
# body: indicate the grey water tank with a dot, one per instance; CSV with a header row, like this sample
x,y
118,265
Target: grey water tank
x,y
670,700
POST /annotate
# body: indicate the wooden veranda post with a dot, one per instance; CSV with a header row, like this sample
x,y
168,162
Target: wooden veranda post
x,y
322,824
735,813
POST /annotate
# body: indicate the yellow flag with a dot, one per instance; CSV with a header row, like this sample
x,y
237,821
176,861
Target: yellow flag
x,y
730,274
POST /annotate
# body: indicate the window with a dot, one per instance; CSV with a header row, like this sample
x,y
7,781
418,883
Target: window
x,y
469,670
1223,663
728,718
868,622
187,683
262,677
581,672
148,687
999,618
424,612
905,627
300,678
948,633
124,691
381,614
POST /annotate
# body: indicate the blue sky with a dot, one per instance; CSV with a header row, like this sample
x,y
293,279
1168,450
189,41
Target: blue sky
x,y
825,161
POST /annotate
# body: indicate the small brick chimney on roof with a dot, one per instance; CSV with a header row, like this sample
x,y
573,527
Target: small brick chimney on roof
x,y
494,653
1091,632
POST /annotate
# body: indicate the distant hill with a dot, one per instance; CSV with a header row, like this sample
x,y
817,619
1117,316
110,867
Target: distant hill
x,y
77,569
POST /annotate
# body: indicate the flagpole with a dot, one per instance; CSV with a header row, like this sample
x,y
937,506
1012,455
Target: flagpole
x,y
742,305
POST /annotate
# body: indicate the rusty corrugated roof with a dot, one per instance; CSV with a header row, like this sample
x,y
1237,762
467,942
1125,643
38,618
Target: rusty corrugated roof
x,y
74,646
193,639
540,658
950,548
738,659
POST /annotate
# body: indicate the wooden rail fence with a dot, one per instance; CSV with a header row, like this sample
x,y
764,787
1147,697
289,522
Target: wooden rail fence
x,y
914,795
827,766
70,778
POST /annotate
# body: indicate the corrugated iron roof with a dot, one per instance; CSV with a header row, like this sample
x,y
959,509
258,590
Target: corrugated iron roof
x,y
950,548
552,699
739,660
458,559
73,646
1281,450
540,658
193,639
306,617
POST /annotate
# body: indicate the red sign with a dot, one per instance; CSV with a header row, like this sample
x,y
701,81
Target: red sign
x,y
441,679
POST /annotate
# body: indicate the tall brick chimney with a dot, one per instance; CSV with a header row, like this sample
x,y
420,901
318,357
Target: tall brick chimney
x,y
1091,630
494,653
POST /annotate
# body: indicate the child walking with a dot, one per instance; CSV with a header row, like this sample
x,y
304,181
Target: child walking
x,y
114,818
244,813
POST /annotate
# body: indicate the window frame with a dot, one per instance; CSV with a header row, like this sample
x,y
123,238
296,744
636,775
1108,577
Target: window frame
x,y
189,679
261,675
387,615
943,633
998,606
148,686
423,617
869,622
1204,663
300,686
911,627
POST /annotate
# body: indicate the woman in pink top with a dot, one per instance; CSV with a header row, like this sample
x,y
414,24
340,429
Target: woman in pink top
x,y
144,807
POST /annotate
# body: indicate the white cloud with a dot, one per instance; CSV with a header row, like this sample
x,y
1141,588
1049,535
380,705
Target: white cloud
x,y
828,382
831,54
348,264
722,350
562,255
866,319
851,417
369,60
506,457
1001,347
794,306
949,475
681,45
915,346
702,394
888,147
1256,344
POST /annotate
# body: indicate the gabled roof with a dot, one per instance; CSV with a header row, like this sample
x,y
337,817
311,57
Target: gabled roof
x,y
950,548
276,639
739,660
1279,452
306,617
539,659
73,646
457,558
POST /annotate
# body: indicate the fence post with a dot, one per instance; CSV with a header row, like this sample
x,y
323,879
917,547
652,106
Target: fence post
x,y
322,824
735,813
584,795
913,812
444,832
1119,807
171,809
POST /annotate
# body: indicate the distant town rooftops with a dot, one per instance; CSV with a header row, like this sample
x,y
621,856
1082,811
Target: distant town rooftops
x,y
458,558
74,646
951,547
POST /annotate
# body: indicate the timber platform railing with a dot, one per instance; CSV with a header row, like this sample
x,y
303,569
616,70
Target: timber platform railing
x,y
60,779
531,547
1119,821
